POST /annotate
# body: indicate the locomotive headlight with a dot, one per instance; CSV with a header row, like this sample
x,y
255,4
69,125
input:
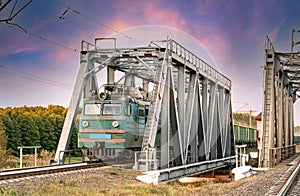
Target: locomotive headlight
x,y
115,124
85,124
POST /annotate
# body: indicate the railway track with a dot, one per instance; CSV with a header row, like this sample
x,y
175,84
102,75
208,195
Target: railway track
x,y
288,183
16,174
295,186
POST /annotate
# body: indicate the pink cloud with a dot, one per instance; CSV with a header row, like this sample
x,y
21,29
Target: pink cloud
x,y
119,24
168,17
25,49
59,56
220,48
215,42
274,33
13,46
149,12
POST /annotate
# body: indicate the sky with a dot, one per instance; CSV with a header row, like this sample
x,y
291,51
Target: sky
x,y
39,46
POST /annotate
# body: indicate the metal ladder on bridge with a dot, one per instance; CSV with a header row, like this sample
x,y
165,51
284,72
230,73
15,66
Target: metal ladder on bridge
x,y
148,152
154,110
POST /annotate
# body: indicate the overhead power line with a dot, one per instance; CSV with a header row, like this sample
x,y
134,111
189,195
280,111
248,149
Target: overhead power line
x,y
45,39
33,77
13,13
52,42
97,22
62,16
76,11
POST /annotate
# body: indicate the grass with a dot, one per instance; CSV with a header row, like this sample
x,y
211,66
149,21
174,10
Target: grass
x,y
28,160
128,189
113,181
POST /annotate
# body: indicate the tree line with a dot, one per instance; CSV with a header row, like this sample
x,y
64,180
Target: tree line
x,y
33,126
42,126
243,119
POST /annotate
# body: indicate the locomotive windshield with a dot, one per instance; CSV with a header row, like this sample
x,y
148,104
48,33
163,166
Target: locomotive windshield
x,y
112,109
92,109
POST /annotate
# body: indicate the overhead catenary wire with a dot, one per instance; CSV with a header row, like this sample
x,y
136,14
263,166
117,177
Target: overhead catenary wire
x,y
52,42
19,27
9,23
33,77
44,39
97,22
76,11
13,14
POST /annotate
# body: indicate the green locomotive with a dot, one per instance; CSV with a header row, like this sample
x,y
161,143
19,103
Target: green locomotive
x,y
112,124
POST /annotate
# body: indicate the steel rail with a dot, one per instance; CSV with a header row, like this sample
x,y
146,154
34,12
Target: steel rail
x,y
287,186
26,172
285,183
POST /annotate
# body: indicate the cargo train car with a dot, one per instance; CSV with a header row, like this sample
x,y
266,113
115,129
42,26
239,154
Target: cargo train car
x,y
245,135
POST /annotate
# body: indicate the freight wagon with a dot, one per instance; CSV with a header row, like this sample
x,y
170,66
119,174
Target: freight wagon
x,y
245,135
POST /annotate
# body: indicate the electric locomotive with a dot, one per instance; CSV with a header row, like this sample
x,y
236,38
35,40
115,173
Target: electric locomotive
x,y
112,123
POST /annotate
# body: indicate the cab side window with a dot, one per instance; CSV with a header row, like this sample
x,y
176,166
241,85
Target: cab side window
x,y
141,112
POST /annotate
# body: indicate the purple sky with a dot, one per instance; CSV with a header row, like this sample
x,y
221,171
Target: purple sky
x,y
233,32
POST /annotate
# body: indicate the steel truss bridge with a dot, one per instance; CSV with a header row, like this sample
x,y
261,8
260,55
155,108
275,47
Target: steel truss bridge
x,y
281,85
190,106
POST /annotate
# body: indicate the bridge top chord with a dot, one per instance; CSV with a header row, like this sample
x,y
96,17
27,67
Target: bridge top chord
x,y
144,59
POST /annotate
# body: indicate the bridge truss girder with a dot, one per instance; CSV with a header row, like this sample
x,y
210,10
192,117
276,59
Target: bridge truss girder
x,y
281,84
197,112
190,105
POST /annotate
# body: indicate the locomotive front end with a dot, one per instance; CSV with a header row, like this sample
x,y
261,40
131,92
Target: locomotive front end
x,y
102,129
112,125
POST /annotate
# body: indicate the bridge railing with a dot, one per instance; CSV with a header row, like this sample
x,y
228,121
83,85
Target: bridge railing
x,y
275,156
188,56
281,153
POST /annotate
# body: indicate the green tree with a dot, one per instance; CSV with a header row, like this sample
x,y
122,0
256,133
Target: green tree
x,y
244,119
35,126
57,110
29,131
3,143
14,136
47,133
74,138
